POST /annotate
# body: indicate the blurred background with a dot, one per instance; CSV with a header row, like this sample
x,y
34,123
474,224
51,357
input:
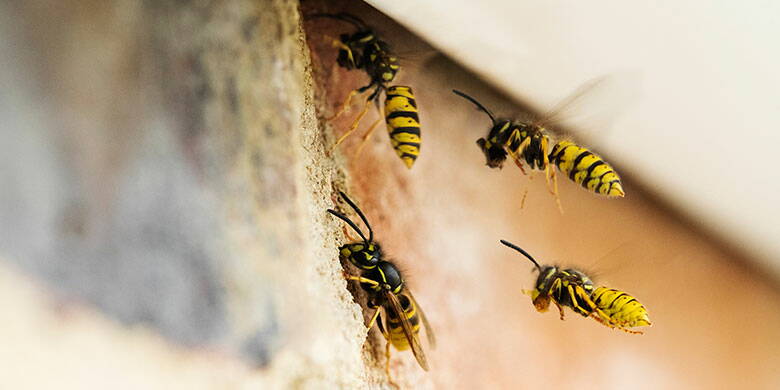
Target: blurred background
x,y
166,165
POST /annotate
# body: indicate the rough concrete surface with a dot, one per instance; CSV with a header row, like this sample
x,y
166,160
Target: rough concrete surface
x,y
165,174
163,168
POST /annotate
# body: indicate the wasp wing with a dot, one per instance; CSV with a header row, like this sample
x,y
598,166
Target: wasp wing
x,y
554,115
596,104
428,329
411,336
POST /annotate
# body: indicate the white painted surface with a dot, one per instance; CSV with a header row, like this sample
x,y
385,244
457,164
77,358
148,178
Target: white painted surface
x,y
704,128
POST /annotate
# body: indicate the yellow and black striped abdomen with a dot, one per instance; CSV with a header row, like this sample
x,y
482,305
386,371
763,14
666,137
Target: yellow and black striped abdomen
x,y
403,123
621,308
586,168
395,331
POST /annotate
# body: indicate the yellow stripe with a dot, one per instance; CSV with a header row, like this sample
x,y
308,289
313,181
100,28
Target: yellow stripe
x,y
406,137
401,90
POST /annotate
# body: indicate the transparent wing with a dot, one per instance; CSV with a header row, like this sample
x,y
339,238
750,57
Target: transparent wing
x,y
597,103
555,114
414,341
428,329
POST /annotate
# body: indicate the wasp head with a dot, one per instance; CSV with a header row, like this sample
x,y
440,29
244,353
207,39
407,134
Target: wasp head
x,y
494,154
364,255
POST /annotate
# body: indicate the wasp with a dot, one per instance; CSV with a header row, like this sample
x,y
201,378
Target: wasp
x,y
387,292
529,143
574,289
363,49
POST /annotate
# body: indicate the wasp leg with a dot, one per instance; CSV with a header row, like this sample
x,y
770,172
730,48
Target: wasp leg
x,y
347,103
516,155
546,165
366,136
373,319
560,308
594,308
613,326
554,178
556,285
579,293
374,95
362,280
520,165
522,201
344,106
354,125
338,44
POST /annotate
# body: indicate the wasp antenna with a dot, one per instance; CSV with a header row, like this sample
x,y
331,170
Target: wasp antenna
x,y
349,222
476,103
361,215
344,17
517,248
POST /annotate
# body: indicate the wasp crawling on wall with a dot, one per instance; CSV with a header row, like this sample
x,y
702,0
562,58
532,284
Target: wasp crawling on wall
x,y
529,143
572,288
363,49
386,291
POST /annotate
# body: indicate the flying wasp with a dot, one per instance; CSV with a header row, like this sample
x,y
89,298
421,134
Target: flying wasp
x,y
387,292
364,50
572,288
529,143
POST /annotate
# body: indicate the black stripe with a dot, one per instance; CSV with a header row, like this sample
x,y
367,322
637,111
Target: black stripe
x,y
577,162
411,101
391,94
601,183
556,158
612,183
600,298
406,130
402,114
412,156
611,304
415,144
588,178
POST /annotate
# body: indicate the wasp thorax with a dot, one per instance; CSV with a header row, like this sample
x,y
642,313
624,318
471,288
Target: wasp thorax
x,y
579,278
387,276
